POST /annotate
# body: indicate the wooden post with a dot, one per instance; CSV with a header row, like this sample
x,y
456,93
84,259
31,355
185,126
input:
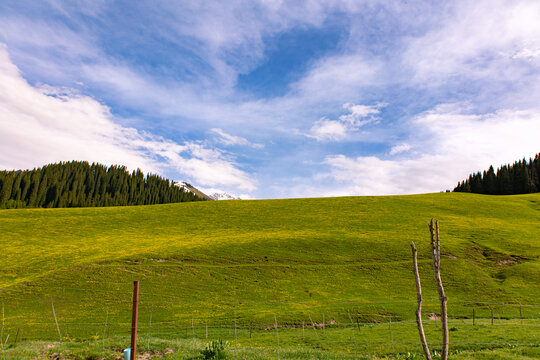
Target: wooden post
x,y
473,317
2,336
235,337
250,329
277,334
520,315
419,304
134,320
323,325
303,324
149,331
313,324
56,321
354,336
436,250
193,329
104,332
391,333
491,316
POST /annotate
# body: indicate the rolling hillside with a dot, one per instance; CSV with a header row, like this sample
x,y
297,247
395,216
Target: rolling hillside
x,y
207,260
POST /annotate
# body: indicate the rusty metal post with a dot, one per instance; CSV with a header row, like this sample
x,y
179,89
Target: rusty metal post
x,y
134,320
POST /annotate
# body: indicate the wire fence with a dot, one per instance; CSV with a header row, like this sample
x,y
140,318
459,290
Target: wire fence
x,y
358,327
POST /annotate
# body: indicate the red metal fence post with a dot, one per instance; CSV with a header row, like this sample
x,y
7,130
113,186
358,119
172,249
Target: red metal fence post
x,y
134,320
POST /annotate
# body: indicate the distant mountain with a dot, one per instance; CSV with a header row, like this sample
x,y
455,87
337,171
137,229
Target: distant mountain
x,y
222,195
192,189
213,194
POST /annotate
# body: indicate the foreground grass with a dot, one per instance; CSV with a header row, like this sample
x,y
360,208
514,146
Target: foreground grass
x,y
374,341
251,262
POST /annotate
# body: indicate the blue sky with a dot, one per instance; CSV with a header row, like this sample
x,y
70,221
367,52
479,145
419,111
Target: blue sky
x,y
269,99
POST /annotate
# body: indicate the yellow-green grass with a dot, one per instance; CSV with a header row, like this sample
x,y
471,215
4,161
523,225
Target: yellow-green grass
x,y
369,341
213,262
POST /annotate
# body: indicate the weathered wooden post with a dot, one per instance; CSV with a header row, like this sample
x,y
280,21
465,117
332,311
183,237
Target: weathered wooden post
x,y
436,250
419,304
436,258
56,321
277,334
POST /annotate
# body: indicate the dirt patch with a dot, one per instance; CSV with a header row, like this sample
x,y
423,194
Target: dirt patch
x,y
151,355
134,261
507,262
450,256
48,354
434,316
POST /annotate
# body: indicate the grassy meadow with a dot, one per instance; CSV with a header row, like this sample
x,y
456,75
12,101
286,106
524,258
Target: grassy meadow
x,y
238,268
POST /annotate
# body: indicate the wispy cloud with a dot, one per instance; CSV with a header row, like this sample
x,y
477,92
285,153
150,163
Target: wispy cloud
x,y
46,124
177,69
228,139
397,149
328,130
336,130
483,39
335,77
451,144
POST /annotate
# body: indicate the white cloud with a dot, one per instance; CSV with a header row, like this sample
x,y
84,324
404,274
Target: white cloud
x,y
40,125
485,38
324,130
473,43
336,77
452,144
228,139
400,148
358,113
336,130
222,41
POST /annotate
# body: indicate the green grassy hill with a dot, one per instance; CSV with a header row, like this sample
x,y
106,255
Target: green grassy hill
x,y
297,258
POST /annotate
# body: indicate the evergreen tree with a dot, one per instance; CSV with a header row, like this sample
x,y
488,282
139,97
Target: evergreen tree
x,y
504,182
489,182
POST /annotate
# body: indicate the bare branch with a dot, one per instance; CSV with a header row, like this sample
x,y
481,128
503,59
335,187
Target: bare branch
x,y
435,248
419,306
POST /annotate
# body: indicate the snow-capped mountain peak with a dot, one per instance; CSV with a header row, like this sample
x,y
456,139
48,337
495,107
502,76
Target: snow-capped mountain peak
x,y
222,195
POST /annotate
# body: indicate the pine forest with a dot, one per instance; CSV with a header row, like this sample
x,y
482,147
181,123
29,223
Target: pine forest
x,y
79,184
522,177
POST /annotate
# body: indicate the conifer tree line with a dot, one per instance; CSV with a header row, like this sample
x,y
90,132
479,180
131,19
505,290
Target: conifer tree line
x,y
520,178
78,184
